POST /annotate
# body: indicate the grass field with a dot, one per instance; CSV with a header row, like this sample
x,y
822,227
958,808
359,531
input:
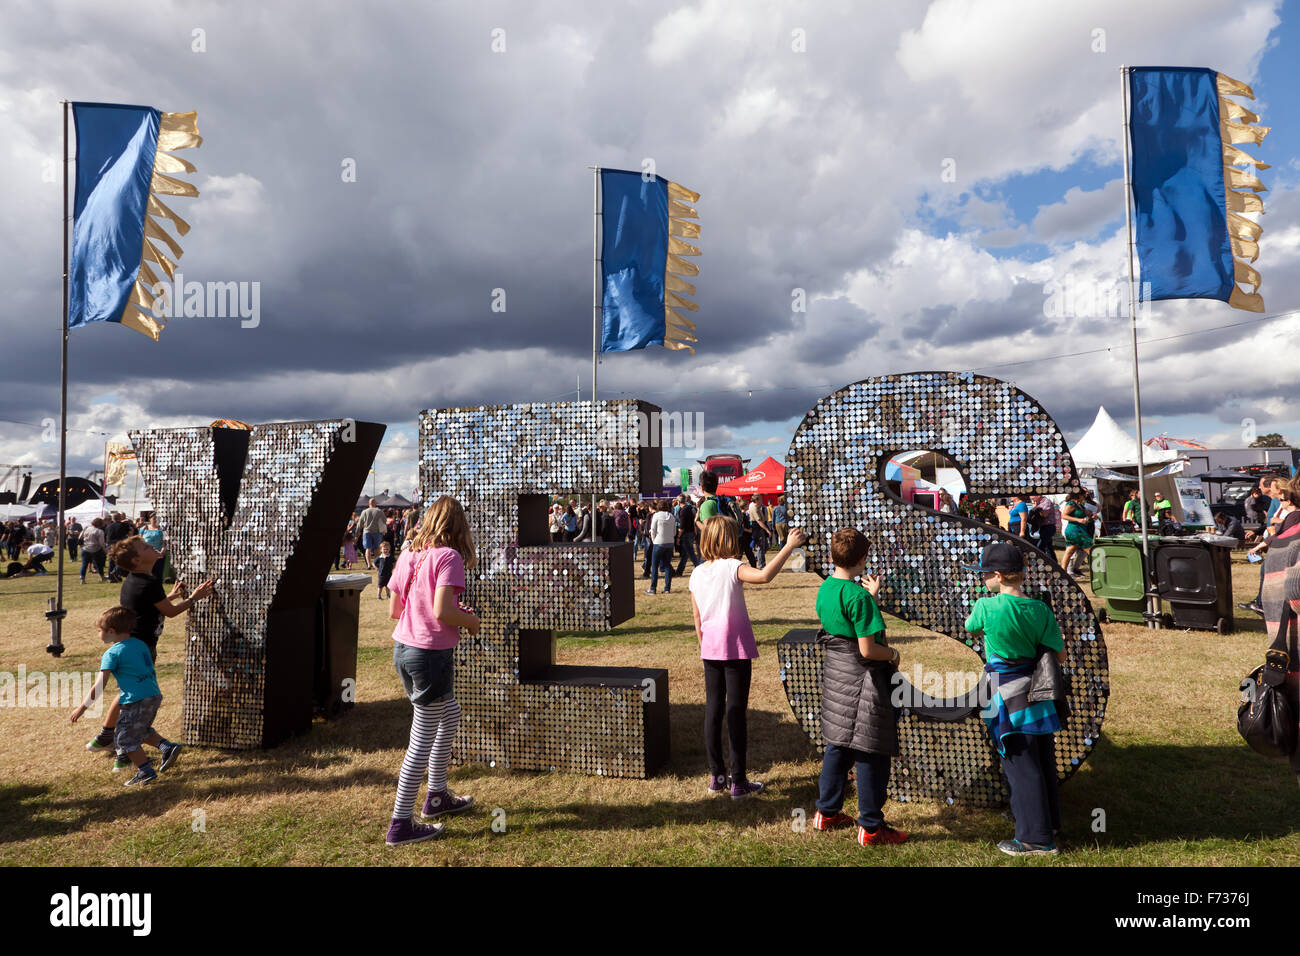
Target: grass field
x,y
1176,784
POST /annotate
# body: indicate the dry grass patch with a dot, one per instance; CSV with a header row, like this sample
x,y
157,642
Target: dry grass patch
x,y
1176,783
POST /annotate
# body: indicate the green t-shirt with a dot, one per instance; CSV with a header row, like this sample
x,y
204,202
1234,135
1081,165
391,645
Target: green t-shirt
x,y
846,609
1131,509
708,509
1014,627
1160,506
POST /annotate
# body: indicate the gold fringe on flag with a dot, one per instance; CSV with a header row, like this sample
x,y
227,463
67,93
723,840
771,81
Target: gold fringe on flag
x,y
679,331
1241,189
118,454
175,131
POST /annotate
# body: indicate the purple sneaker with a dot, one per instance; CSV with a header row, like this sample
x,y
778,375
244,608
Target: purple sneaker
x,y
401,832
740,789
440,804
718,785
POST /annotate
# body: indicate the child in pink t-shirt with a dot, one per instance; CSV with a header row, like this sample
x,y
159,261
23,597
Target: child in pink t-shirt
x,y
727,645
427,581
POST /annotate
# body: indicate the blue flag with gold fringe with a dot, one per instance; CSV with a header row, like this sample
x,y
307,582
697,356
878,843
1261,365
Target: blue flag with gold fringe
x,y
1189,194
123,158
645,222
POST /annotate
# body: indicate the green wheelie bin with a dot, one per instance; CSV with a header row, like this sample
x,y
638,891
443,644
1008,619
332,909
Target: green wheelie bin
x,y
1119,577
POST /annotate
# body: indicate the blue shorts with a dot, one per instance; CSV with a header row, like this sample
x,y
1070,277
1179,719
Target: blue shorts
x,y
371,540
426,674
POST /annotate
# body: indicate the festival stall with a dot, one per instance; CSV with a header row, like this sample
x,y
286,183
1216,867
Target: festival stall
x,y
767,481
1105,455
25,512
92,508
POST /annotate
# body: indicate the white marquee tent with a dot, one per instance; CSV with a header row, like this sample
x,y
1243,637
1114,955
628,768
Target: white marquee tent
x,y
1106,445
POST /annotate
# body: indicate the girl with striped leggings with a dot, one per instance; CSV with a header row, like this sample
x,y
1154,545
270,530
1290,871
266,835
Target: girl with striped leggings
x,y
427,581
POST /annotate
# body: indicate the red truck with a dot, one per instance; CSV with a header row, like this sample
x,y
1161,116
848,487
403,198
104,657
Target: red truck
x,y
725,466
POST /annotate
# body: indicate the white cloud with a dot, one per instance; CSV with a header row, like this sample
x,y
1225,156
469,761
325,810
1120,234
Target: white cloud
x,y
375,294
1081,214
752,110
229,197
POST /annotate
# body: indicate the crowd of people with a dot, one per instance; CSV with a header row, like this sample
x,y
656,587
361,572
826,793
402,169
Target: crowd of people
x,y
380,533
422,560
38,541
1280,514
662,528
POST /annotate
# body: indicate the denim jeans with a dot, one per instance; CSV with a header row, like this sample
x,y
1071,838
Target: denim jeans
x,y
661,557
426,674
687,544
94,558
872,783
1045,536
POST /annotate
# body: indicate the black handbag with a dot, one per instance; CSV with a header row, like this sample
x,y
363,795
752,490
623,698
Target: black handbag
x,y
1266,718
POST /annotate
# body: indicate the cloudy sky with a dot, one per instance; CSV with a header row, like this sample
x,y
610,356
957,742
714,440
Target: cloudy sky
x,y
920,174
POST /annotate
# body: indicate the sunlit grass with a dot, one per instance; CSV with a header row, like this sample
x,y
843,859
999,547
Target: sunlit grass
x,y
1175,783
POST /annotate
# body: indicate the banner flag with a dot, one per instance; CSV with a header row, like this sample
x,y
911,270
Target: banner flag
x,y
646,221
123,158
1189,192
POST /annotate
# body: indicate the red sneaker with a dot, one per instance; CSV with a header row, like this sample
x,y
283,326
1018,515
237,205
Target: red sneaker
x,y
834,821
885,835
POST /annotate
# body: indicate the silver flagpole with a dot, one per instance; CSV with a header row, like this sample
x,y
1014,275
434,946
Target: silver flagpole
x,y
1152,602
57,613
595,315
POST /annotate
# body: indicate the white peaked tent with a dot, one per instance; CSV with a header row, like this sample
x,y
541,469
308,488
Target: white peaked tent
x,y
89,509
1107,445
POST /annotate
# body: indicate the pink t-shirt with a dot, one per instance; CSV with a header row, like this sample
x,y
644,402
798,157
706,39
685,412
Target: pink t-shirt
x,y
725,631
434,568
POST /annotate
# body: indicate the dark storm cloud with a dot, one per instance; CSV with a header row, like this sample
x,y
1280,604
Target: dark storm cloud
x,y
470,178
376,295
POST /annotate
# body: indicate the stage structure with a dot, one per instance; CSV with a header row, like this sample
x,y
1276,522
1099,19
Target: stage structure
x,y
1003,443
260,511
520,710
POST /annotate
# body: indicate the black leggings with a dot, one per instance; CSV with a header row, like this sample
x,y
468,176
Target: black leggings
x,y
726,691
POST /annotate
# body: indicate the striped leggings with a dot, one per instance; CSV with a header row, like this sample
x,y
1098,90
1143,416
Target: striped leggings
x,y
433,727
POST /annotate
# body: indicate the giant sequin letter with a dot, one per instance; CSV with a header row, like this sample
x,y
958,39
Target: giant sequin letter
x,y
260,512
1003,443
521,710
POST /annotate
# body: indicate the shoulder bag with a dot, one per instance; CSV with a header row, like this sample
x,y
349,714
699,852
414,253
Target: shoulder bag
x,y
1266,718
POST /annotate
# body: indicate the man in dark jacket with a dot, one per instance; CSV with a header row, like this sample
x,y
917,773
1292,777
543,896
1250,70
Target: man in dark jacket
x,y
686,535
118,530
1230,527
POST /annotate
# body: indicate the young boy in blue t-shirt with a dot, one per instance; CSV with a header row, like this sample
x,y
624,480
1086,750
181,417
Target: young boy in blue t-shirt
x,y
131,664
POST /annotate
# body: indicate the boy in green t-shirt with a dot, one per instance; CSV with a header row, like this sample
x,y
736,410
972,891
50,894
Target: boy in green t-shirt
x,y
1016,630
857,714
709,506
